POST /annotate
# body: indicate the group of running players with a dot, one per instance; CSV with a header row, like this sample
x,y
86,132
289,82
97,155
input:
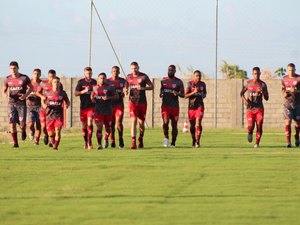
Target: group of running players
x,y
41,103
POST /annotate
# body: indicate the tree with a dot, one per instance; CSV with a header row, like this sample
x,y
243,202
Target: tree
x,y
280,72
188,72
231,71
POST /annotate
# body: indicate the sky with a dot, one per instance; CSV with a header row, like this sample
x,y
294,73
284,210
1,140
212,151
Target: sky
x,y
54,34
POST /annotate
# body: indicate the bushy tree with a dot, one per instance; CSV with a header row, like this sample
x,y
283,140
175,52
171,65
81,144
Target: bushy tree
x,y
231,71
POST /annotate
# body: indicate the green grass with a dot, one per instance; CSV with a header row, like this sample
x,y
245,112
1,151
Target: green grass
x,y
226,181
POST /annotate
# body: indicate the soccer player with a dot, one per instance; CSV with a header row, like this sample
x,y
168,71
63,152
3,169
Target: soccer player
x,y
103,94
171,89
45,87
137,84
256,90
291,94
17,87
33,108
54,111
84,89
196,92
118,106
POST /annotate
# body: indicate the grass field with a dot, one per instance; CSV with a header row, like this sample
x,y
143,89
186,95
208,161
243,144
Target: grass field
x,y
226,181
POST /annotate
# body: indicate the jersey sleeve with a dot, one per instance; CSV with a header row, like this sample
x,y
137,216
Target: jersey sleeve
x,y
243,91
78,86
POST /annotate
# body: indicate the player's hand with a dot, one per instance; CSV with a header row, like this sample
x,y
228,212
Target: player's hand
x,y
175,93
196,90
104,97
22,97
126,91
86,90
4,94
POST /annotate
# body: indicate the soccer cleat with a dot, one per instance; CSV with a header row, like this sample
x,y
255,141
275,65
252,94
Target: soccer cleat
x,y
289,146
133,146
250,137
15,146
141,144
36,143
46,139
172,146
297,142
121,143
56,149
99,147
24,135
89,147
106,143
166,142
113,144
197,145
256,146
50,145
194,144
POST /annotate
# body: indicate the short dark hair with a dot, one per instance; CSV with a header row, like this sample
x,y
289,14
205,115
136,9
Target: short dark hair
x,y
52,72
88,68
197,71
172,66
256,68
291,65
56,78
102,74
116,67
37,70
14,63
134,64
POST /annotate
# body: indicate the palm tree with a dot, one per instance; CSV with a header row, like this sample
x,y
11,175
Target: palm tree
x,y
280,72
231,71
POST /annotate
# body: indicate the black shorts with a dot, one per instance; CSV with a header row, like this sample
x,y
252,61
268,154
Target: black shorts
x,y
292,112
17,114
33,115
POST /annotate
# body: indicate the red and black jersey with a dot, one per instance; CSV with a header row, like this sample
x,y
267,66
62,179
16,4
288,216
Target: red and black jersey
x,y
85,99
196,100
33,100
135,95
16,87
103,106
168,86
119,85
46,86
54,104
291,85
255,91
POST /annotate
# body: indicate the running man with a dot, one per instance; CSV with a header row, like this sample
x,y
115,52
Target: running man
x,y
102,95
118,106
87,107
171,88
291,106
17,87
33,108
196,92
54,111
256,90
137,85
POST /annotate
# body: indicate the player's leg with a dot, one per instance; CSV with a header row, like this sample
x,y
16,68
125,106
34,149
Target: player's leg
x,y
259,118
38,127
44,126
166,118
174,115
13,120
84,126
113,125
297,125
51,132
30,122
107,125
250,124
133,117
90,128
288,116
142,109
99,124
58,127
192,119
198,125
22,112
119,123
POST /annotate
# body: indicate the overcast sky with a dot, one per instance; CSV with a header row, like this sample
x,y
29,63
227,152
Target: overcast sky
x,y
54,34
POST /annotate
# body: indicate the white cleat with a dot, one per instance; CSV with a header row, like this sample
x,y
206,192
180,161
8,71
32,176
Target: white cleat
x,y
256,146
166,142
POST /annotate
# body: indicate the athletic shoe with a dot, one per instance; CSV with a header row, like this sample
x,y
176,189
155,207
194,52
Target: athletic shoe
x,y
250,138
166,142
85,146
113,144
106,143
99,147
121,143
90,147
24,135
141,144
289,146
15,146
50,145
36,143
194,144
56,149
197,145
297,142
256,146
172,146
133,146
46,139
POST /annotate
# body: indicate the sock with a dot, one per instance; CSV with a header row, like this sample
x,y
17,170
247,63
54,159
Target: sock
x,y
288,133
120,131
99,137
192,130
52,139
250,129
297,129
85,135
15,137
198,133
32,130
174,135
166,130
259,132
56,143
90,134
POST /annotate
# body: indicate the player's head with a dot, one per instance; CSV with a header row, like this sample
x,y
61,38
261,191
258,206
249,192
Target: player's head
x,y
55,83
101,78
134,67
51,74
171,71
36,74
256,73
197,75
115,71
88,72
291,69
14,67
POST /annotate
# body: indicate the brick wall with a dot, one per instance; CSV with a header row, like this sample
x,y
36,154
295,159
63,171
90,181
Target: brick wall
x,y
230,111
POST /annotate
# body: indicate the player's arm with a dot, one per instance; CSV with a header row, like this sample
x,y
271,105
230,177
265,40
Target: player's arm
x,y
40,95
28,91
283,90
161,93
242,94
93,96
204,92
180,93
188,92
67,100
126,87
79,91
149,85
265,92
5,88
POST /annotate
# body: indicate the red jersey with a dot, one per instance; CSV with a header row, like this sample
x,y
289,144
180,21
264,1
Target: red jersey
x,y
54,104
15,87
33,100
46,86
135,95
292,87
196,100
255,91
119,85
103,107
85,99
168,85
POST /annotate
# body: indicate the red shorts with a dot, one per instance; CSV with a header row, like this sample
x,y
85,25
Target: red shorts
x,y
105,119
196,113
86,113
138,110
255,115
170,112
55,123
118,112
43,116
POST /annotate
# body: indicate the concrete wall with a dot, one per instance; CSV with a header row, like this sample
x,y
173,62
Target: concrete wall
x,y
230,111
